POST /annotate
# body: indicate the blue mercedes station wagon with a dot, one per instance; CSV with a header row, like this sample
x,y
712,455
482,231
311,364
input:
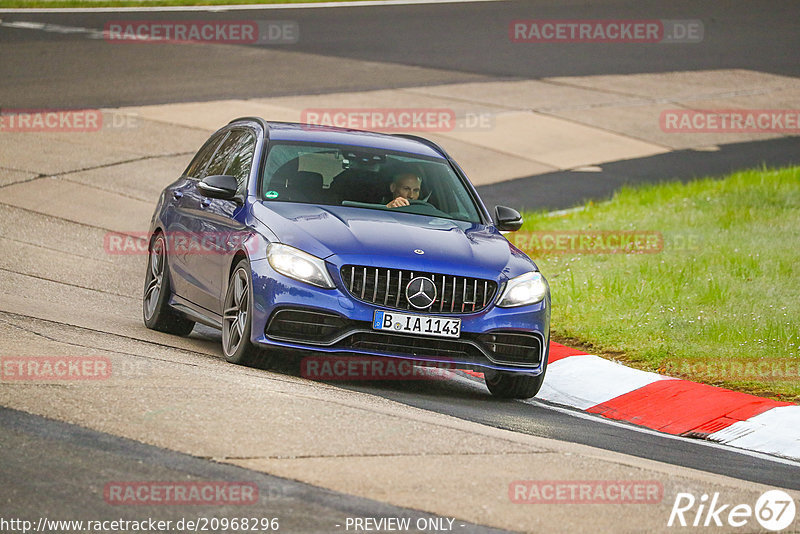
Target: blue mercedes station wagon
x,y
295,237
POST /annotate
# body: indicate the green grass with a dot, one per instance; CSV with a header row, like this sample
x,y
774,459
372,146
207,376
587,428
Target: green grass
x,y
720,303
140,3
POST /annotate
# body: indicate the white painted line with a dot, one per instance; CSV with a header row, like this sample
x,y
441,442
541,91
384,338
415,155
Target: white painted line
x,y
587,168
584,381
241,7
776,431
53,28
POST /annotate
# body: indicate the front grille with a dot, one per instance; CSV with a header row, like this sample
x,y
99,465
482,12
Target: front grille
x,y
386,287
412,346
509,347
304,325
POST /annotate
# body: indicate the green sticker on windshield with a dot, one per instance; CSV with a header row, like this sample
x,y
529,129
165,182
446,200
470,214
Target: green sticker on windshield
x,y
271,194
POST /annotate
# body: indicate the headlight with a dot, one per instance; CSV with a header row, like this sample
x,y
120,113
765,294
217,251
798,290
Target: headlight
x,y
299,265
528,288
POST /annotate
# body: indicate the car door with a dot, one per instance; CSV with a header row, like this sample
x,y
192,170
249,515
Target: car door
x,y
178,218
218,223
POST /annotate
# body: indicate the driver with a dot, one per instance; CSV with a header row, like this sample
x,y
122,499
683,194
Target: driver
x,y
405,187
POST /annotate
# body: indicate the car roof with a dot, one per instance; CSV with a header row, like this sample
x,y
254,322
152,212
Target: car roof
x,y
311,133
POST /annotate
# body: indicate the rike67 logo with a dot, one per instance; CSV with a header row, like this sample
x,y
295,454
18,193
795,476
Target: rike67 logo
x,y
774,510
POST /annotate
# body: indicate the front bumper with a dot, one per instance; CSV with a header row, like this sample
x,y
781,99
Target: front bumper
x,y
289,314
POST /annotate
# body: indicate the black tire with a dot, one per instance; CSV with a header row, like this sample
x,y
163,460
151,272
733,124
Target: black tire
x,y
156,311
236,320
513,385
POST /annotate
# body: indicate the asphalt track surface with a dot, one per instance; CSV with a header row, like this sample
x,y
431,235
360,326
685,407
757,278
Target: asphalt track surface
x,y
411,46
467,398
565,189
453,42
72,457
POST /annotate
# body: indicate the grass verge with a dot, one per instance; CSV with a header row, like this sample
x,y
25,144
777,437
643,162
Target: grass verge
x,y
708,288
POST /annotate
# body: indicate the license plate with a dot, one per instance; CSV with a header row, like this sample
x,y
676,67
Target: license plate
x,y
416,324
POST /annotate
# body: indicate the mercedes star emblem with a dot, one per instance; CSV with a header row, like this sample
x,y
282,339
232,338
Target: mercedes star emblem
x,y
421,292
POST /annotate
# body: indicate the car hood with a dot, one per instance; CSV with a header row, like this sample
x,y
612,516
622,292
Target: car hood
x,y
348,235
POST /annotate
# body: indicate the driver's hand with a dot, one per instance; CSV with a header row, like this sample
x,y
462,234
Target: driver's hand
x,y
399,202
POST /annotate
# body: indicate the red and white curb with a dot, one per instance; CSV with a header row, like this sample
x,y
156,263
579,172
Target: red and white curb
x,y
670,405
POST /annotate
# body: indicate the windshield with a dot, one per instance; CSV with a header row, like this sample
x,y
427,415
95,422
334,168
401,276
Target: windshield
x,y
365,178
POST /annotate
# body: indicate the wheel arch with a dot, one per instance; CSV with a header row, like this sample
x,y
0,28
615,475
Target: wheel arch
x,y
153,235
238,256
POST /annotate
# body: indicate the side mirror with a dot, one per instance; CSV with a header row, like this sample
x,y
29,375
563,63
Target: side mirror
x,y
220,186
507,219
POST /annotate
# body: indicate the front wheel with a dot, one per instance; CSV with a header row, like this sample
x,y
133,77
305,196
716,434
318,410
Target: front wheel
x,y
236,318
514,385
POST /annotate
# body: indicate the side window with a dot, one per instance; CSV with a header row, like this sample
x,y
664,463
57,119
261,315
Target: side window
x,y
198,164
224,153
241,161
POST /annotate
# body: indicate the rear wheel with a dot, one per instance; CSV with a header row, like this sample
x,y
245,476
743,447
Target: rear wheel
x,y
513,385
155,303
236,318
